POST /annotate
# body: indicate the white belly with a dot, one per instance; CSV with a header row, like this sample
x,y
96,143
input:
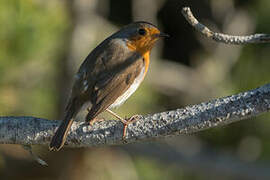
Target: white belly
x,y
121,99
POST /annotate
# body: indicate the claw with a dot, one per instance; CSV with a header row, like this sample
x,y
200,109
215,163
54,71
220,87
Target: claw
x,y
129,121
126,122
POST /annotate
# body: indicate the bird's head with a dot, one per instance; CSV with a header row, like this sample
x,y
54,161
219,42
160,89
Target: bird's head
x,y
140,36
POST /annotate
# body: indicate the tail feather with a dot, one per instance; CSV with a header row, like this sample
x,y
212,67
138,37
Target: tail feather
x,y
60,135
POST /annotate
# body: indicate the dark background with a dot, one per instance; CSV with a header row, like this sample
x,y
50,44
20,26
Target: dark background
x,y
42,44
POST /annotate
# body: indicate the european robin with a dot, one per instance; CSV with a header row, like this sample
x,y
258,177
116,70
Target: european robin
x,y
109,75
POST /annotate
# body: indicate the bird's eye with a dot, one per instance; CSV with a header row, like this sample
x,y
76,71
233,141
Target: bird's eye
x,y
142,31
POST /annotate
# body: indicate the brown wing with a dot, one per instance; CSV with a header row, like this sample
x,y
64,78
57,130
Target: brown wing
x,y
107,73
110,88
101,65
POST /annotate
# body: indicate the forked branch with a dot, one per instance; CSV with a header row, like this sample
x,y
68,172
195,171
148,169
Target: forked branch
x,y
224,38
215,113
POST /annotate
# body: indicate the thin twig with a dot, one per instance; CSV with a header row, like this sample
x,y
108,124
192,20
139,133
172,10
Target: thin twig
x,y
224,38
218,112
34,156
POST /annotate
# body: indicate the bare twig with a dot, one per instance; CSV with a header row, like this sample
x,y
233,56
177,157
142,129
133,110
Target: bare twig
x,y
34,156
218,112
224,38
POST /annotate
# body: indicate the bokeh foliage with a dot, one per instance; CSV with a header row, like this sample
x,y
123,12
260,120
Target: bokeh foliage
x,y
31,37
33,46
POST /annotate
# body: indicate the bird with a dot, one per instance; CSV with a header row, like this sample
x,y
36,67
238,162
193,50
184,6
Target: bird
x,y
109,75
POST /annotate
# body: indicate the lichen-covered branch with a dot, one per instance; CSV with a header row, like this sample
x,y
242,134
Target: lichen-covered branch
x,y
224,38
215,113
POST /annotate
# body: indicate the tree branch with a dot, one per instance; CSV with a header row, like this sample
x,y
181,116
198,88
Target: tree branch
x,y
218,112
224,38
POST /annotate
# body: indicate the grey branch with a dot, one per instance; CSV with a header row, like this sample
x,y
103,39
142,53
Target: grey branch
x,y
224,38
191,119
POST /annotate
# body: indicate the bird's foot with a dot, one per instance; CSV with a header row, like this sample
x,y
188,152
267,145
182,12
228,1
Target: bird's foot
x,y
126,122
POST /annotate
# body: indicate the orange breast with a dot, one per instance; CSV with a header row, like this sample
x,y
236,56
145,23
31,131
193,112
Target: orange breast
x,y
144,52
146,58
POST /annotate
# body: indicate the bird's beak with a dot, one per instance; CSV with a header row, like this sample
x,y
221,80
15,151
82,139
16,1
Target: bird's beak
x,y
163,35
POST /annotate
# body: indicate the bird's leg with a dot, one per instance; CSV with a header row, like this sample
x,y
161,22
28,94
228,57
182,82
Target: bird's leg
x,y
117,116
129,121
125,122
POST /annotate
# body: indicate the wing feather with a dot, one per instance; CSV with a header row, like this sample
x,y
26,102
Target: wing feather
x,y
107,93
105,75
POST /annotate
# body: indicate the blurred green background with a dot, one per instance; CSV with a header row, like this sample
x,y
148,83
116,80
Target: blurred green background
x,y
42,44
